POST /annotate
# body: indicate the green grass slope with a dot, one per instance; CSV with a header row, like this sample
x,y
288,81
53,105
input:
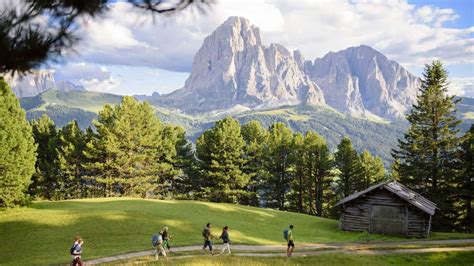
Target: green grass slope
x,y
86,100
42,233
448,258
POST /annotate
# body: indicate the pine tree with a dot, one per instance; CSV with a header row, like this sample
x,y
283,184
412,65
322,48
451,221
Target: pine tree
x,y
319,166
45,182
373,170
70,152
428,153
349,168
124,155
465,183
175,157
299,158
278,164
255,137
187,181
220,151
17,149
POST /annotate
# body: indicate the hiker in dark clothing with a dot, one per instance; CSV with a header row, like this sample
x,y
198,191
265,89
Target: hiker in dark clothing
x,y
225,238
206,233
166,238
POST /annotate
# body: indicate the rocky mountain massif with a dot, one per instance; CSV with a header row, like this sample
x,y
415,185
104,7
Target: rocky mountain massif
x,y
233,68
37,82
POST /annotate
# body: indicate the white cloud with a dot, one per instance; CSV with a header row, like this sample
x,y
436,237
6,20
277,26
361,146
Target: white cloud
x,y
413,36
92,77
462,86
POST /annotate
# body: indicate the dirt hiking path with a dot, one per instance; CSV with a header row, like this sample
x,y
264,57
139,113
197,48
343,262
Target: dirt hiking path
x,y
308,249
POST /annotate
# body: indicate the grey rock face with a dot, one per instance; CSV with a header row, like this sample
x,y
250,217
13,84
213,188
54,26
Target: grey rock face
x,y
32,84
233,68
64,85
362,81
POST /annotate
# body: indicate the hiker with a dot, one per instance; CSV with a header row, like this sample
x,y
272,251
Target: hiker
x,y
157,241
206,233
166,239
288,234
225,238
76,251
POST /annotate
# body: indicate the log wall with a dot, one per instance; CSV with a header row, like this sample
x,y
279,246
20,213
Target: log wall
x,y
356,214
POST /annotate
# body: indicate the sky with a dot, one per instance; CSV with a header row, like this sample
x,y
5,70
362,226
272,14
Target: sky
x,y
127,51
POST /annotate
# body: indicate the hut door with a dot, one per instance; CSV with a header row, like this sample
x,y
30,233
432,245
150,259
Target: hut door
x,y
387,219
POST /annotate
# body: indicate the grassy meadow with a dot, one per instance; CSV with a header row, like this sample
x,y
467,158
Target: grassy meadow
x,y
451,258
43,232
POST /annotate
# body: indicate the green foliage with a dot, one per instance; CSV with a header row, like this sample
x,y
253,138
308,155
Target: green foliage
x,y
465,186
45,181
373,171
220,151
124,155
255,137
62,115
70,150
17,149
349,169
186,181
428,154
319,164
278,162
312,174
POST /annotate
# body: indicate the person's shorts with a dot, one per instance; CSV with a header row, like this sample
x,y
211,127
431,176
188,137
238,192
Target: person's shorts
x,y
207,243
291,243
160,249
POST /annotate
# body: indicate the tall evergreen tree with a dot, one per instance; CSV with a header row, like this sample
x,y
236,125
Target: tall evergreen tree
x,y
347,162
45,182
124,155
255,137
70,150
319,165
300,180
465,188
220,151
187,181
428,153
176,157
278,163
17,149
373,170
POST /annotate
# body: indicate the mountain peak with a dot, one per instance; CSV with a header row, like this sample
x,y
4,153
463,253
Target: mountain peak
x,y
233,68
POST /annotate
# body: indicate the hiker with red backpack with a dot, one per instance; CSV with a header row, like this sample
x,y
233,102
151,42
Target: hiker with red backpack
x,y
288,235
76,251
157,242
206,233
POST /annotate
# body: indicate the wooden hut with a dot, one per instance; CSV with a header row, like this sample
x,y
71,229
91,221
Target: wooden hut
x,y
387,208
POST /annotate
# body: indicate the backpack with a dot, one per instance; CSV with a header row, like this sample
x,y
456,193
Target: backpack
x,y
156,240
205,232
74,248
285,234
